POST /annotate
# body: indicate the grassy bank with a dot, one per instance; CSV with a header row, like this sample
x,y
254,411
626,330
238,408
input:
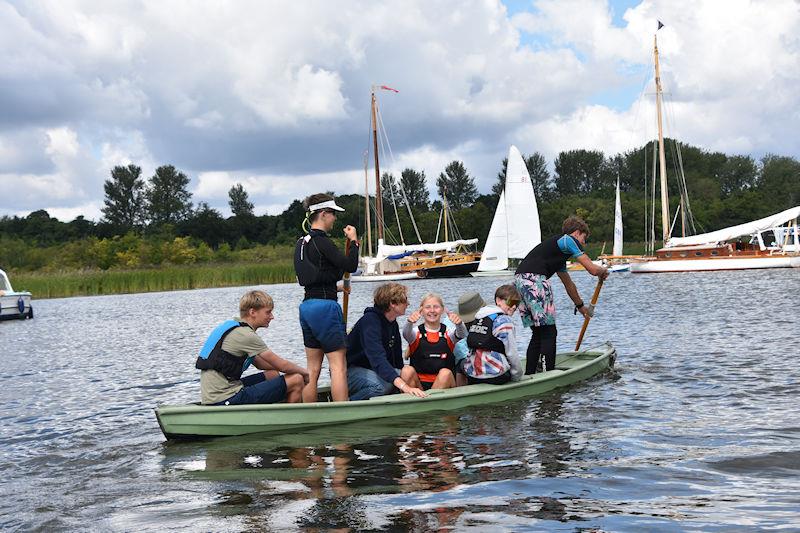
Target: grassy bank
x,y
94,282
181,277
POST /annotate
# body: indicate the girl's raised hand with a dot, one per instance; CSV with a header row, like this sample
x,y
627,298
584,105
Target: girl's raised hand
x,y
413,317
454,318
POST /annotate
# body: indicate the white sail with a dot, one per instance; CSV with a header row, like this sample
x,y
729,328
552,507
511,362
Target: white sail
x,y
515,227
617,225
495,253
741,230
522,213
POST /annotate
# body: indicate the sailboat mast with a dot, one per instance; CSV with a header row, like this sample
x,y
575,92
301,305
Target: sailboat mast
x,y
366,203
661,157
444,210
378,196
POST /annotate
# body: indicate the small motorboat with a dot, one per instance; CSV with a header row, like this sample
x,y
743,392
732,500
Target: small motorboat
x,y
13,304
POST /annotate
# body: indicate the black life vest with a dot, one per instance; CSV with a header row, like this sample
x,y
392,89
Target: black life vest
x,y
213,357
432,351
480,335
546,258
307,271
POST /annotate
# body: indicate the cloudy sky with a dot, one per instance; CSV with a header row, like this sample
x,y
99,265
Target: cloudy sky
x,y
275,95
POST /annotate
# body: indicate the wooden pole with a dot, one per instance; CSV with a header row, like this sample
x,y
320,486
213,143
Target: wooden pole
x,y
346,286
595,296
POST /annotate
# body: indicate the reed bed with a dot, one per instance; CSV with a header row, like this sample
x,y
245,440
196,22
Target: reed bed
x,y
96,282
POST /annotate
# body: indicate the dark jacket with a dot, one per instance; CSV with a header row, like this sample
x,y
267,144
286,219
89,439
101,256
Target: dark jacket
x,y
375,343
546,258
330,263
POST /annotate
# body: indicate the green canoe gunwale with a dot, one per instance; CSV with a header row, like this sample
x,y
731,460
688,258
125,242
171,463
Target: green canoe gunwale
x,y
200,421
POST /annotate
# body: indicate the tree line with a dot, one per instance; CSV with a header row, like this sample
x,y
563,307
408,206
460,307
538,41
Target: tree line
x,y
140,216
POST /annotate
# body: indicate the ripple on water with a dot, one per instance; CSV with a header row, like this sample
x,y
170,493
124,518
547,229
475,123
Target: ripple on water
x,y
693,430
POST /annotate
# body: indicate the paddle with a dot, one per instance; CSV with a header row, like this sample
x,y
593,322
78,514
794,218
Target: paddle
x,y
346,286
595,296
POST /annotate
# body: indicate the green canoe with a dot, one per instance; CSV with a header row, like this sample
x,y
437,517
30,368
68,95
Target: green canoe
x,y
193,421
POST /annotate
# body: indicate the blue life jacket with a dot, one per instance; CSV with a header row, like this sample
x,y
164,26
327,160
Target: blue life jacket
x,y
213,357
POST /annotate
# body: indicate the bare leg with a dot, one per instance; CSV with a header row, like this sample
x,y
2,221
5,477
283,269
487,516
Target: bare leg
x,y
294,388
338,366
444,380
409,375
314,364
461,380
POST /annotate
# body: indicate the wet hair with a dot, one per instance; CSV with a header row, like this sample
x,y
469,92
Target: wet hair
x,y
507,293
573,223
429,296
313,200
254,300
389,293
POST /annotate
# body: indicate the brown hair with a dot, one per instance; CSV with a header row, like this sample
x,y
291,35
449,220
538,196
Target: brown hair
x,y
254,300
389,293
508,293
573,223
316,199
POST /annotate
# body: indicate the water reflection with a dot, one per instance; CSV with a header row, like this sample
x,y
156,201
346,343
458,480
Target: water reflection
x,y
333,469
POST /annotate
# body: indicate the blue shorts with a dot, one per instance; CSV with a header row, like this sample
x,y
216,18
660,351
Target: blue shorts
x,y
323,325
258,389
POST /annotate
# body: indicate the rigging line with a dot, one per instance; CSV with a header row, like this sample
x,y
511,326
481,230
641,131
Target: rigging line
x,y
391,188
402,189
682,187
438,225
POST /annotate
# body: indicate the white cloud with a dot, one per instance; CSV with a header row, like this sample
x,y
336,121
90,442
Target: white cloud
x,y
275,95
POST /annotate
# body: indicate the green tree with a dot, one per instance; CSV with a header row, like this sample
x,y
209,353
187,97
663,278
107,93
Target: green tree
x,y
578,172
168,199
239,201
416,188
124,201
389,190
779,182
736,174
459,186
205,224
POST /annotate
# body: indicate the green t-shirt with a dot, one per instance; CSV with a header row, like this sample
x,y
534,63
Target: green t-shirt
x,y
242,342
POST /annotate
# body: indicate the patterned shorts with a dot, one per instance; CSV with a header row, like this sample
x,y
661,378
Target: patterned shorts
x,y
537,307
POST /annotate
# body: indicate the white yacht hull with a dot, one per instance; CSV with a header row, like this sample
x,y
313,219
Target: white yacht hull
x,y
492,273
721,263
15,305
362,278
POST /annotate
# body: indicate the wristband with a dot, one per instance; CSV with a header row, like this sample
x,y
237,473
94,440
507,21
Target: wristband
x,y
578,306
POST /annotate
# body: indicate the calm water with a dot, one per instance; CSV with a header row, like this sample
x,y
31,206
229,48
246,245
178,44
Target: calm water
x,y
697,428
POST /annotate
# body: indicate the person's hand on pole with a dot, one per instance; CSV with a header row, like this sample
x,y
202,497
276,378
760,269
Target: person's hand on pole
x,y
350,233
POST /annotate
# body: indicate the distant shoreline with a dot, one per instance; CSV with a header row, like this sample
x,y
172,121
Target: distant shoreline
x,y
183,277
65,284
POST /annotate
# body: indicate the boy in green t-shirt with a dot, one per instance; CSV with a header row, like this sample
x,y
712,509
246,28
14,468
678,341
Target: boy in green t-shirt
x,y
233,346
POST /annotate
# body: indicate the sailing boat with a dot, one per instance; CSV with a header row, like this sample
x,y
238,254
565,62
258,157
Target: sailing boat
x,y
515,227
616,262
399,262
772,242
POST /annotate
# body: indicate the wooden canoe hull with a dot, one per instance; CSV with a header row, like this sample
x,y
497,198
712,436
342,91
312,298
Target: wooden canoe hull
x,y
194,421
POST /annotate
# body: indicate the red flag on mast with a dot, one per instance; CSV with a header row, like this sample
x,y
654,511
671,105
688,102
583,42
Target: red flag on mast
x,y
387,88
